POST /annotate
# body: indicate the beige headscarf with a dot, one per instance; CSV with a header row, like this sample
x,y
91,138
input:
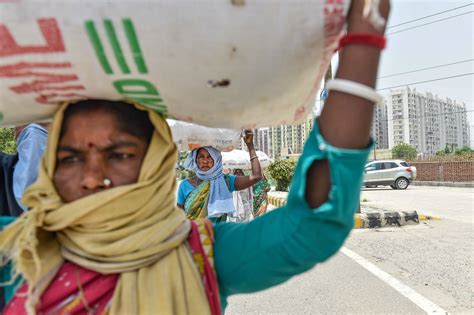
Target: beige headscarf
x,y
135,230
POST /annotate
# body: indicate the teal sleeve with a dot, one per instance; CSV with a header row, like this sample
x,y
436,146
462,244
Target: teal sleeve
x,y
232,182
6,270
183,192
290,240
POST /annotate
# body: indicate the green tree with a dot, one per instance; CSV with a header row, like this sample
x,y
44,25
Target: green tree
x,y
182,155
404,151
7,140
282,172
464,151
441,153
181,172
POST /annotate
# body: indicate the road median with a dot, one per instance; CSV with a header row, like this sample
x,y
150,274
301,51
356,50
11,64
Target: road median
x,y
370,217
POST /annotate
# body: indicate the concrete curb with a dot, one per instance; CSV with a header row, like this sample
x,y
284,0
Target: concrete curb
x,y
444,184
376,219
276,201
379,219
382,218
423,217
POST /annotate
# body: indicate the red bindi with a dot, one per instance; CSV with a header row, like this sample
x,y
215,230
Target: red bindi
x,y
90,145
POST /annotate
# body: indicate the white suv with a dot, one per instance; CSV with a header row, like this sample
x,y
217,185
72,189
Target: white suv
x,y
397,174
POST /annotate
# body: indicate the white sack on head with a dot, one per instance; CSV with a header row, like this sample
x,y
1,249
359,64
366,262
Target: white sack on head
x,y
189,136
235,159
239,159
214,63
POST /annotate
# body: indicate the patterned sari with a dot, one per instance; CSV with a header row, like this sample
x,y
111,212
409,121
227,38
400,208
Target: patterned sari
x,y
195,205
77,290
260,198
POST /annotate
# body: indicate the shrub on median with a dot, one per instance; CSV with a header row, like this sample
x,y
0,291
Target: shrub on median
x,y
282,172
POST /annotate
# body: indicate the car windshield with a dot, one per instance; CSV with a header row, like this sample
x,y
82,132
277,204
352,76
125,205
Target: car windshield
x,y
404,164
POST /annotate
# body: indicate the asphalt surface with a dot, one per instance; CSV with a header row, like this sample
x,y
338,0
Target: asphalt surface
x,y
456,204
336,287
433,259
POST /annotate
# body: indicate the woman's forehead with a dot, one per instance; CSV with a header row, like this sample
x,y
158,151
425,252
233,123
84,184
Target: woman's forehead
x,y
202,151
83,132
88,121
123,116
72,118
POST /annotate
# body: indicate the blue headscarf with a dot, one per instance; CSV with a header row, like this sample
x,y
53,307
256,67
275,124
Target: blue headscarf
x,y
30,146
220,199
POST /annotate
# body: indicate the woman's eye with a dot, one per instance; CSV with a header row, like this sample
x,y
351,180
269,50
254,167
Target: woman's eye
x,y
69,160
120,156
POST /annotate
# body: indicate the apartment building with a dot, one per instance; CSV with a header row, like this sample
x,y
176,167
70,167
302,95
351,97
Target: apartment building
x,y
263,140
425,121
280,141
380,127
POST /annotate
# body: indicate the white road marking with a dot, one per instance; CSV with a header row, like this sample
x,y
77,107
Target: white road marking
x,y
422,302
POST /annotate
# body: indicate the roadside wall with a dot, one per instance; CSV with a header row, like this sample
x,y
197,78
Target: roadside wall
x,y
456,171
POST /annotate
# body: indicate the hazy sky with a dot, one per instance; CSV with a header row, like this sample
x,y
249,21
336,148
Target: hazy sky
x,y
444,42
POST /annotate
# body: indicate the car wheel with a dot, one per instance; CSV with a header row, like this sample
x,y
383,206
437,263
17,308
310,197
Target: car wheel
x,y
401,183
393,186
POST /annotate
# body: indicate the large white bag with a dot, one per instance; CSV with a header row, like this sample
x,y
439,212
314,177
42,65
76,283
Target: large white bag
x,y
235,159
189,136
240,159
221,63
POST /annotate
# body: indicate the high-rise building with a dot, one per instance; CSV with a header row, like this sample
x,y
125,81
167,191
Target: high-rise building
x,y
263,140
425,121
454,125
278,141
281,141
285,139
380,127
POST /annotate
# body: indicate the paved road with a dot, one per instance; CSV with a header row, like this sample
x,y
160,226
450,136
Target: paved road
x,y
448,202
414,268
337,287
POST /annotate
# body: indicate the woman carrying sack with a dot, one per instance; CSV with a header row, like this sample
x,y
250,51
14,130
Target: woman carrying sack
x,y
104,234
209,193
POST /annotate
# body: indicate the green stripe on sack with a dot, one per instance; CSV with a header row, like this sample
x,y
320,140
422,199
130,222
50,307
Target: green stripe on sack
x,y
114,42
134,45
97,44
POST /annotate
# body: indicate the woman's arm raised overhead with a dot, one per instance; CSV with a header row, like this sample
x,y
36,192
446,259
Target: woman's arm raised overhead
x,y
325,189
243,182
346,119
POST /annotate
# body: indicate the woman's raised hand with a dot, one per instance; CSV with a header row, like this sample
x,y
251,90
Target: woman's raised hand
x,y
248,137
358,20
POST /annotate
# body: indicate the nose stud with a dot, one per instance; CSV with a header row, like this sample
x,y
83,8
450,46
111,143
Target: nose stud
x,y
107,182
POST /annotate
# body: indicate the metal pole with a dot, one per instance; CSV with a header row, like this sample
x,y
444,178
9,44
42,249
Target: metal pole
x,y
375,150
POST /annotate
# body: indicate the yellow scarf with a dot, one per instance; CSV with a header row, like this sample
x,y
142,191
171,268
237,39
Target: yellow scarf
x,y
135,230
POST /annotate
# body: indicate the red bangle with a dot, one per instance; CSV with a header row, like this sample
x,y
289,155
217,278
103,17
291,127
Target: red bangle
x,y
363,39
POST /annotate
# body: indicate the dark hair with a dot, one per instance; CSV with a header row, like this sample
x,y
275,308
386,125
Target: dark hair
x,y
239,170
129,119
